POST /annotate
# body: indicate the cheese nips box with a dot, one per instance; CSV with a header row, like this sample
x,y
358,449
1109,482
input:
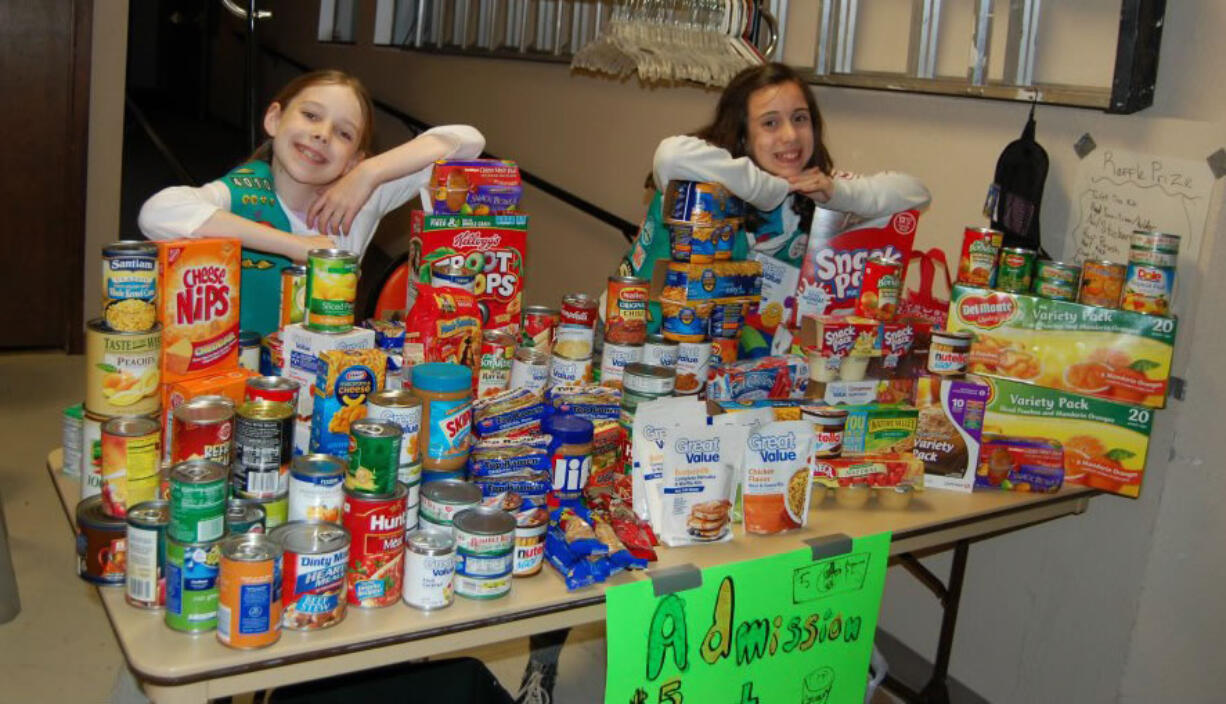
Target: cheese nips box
x,y
198,285
493,245
835,258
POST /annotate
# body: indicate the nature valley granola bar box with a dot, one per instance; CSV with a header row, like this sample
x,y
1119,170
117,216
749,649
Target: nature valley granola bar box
x,y
1116,355
1104,442
198,290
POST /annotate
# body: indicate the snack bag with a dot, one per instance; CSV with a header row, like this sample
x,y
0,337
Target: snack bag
x,y
701,464
770,377
503,456
776,477
595,403
648,434
834,263
444,325
512,412
474,187
198,297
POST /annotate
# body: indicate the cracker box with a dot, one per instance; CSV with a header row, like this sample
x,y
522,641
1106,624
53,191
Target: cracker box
x,y
1116,355
231,384
949,430
494,245
345,380
198,291
834,259
300,352
1104,442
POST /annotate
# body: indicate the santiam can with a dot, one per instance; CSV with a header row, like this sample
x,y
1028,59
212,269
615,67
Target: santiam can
x,y
530,370
538,327
314,564
129,285
613,361
376,525
244,516
403,409
442,500
146,554
493,373
317,488
101,544
249,591
1015,269
278,389
331,288
130,463
203,429
660,351
374,457
198,491
293,294
429,569
263,446
980,249
191,585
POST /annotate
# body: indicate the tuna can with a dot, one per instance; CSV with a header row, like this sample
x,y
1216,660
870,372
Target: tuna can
x,y
530,544
72,425
1015,270
643,382
693,364
316,488
130,285
1056,280
331,287
314,563
101,544
403,409
376,526
538,327
276,510
293,294
530,370
249,350
569,370
494,367
485,541
122,370
279,389
191,585
1102,283
146,554
613,361
429,569
374,457
263,446
980,249
482,587
130,463
249,591
442,500
244,516
198,490
91,454
659,351
446,273
203,428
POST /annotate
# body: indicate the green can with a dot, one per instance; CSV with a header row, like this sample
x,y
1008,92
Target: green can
x,y
198,493
191,585
331,287
1058,281
276,509
1015,270
374,457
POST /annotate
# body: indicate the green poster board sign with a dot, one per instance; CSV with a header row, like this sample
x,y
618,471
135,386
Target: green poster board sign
x,y
786,629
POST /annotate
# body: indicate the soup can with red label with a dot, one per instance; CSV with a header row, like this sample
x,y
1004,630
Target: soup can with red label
x,y
375,572
980,248
880,288
579,310
494,370
279,389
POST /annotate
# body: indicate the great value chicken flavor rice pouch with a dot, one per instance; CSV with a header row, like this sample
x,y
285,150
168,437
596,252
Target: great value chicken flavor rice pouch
x,y
776,477
700,470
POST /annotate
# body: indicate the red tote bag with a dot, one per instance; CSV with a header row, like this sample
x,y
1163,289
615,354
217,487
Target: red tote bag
x,y
922,301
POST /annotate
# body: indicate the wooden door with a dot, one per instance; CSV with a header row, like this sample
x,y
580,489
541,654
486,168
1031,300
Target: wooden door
x,y
44,81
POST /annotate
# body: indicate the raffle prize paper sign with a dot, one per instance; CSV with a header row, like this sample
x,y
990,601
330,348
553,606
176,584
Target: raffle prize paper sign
x,y
782,629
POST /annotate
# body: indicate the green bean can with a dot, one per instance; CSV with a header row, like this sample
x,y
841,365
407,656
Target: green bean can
x,y
1015,270
1058,281
191,585
198,493
331,287
374,457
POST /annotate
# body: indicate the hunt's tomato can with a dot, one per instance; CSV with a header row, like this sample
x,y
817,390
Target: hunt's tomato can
x,y
376,555
314,563
980,248
880,288
538,327
249,591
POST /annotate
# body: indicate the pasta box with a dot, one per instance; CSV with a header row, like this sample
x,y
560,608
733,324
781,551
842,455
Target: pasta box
x,y
1116,355
301,349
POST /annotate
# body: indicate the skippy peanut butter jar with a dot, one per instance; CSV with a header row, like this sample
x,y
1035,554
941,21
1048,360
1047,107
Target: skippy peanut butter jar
x,y
198,291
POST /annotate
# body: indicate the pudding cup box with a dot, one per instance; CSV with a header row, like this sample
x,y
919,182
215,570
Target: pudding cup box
x,y
1116,355
197,304
495,245
949,430
1104,442
231,384
301,349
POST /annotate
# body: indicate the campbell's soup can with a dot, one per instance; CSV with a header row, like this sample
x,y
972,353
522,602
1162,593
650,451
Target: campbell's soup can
x,y
494,366
293,294
980,249
314,563
278,389
203,430
122,370
317,488
146,554
101,544
429,569
249,591
538,327
579,310
530,370
131,462
880,288
613,362
376,525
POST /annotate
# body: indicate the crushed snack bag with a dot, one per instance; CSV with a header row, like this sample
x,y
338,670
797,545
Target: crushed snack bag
x,y
592,402
700,471
346,378
776,477
620,557
511,412
474,187
579,535
786,376
498,456
444,325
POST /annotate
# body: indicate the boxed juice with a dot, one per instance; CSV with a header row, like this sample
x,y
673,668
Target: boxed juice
x,y
1111,354
198,293
231,384
301,349
346,378
1104,442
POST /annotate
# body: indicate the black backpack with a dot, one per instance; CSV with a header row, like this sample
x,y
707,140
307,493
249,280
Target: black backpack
x,y
1018,189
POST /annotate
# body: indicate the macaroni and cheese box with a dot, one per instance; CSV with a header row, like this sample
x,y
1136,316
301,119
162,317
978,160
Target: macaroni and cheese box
x,y
494,245
198,291
301,349
345,380
1104,442
1116,355
231,384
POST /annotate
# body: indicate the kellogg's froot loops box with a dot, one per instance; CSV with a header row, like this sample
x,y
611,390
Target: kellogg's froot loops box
x,y
198,294
834,262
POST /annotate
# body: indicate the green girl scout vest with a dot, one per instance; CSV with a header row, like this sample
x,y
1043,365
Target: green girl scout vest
x,y
252,197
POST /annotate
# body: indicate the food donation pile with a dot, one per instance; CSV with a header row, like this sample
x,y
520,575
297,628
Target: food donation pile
x,y
452,448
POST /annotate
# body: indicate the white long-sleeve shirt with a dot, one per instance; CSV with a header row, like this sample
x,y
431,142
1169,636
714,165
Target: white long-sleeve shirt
x,y
179,211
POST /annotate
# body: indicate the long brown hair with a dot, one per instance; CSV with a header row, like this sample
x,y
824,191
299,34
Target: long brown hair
x,y
318,78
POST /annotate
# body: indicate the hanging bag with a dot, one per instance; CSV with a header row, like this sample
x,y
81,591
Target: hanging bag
x,y
922,302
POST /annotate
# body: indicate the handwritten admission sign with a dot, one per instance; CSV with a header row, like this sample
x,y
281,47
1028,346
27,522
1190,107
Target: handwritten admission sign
x,y
777,629
1118,191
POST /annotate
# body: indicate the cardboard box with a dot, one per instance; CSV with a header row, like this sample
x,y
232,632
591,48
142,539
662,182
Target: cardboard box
x,y
834,259
1105,443
231,384
300,351
1116,355
875,429
949,430
198,299
346,379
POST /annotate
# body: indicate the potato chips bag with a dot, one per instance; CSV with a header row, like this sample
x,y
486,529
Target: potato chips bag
x,y
776,477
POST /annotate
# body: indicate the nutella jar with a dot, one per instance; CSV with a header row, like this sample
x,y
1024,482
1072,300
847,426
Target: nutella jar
x,y
948,352
828,425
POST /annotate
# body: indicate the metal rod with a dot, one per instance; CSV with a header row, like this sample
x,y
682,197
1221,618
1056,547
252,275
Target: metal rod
x,y
421,21
249,75
925,576
981,43
182,175
937,689
822,63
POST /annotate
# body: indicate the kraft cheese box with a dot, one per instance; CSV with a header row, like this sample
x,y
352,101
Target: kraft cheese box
x,y
300,352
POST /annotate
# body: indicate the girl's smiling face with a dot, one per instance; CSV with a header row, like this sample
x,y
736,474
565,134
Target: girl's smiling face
x,y
779,134
316,136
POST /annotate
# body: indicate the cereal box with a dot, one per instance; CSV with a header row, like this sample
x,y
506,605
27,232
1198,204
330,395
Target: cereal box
x,y
345,380
231,384
1116,355
198,289
1104,442
301,350
834,263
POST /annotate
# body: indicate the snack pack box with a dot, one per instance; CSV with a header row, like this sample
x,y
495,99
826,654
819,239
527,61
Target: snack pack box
x,y
198,294
1104,442
495,245
232,384
1116,355
346,378
840,335
948,430
301,349
474,187
833,264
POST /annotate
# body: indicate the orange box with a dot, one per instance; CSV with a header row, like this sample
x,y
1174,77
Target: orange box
x,y
198,290
231,384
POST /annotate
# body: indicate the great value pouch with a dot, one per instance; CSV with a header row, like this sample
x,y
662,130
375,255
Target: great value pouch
x,y
651,422
700,471
776,477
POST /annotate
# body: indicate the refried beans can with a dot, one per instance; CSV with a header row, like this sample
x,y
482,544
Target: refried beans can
x,y
203,430
880,287
198,490
263,446
191,585
403,409
626,310
122,370
538,327
1102,283
146,554
376,525
530,369
278,389
316,488
101,544
429,570
494,367
314,563
980,249
130,463
249,591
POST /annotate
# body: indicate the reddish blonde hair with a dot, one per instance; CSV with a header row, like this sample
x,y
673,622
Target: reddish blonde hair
x,y
321,78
